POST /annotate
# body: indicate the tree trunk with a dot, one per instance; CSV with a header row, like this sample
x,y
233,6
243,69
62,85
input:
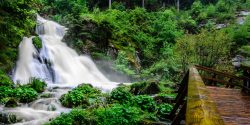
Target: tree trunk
x,y
110,4
178,5
143,4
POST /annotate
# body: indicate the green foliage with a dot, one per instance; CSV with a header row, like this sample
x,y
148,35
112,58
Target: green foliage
x,y
119,115
207,48
240,33
37,42
164,110
149,87
75,117
5,80
122,64
17,20
145,102
37,85
112,115
80,96
25,94
5,92
121,94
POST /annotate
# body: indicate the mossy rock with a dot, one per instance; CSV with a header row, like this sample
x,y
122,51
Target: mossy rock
x,y
12,102
164,98
8,118
46,95
145,88
37,42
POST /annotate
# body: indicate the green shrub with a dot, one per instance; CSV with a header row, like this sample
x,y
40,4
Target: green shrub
x,y
25,94
73,99
119,115
211,11
113,115
196,8
145,102
5,92
164,110
121,94
37,85
37,42
80,96
5,80
75,117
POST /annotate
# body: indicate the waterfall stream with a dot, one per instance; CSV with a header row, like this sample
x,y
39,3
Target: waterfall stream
x,y
57,64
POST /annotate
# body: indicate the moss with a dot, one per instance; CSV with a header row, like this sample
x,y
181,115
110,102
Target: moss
x,y
8,118
37,42
140,88
12,102
46,95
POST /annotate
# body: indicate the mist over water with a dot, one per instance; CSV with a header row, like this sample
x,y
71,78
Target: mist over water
x,y
55,62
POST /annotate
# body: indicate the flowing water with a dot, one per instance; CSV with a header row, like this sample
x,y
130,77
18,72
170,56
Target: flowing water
x,y
57,64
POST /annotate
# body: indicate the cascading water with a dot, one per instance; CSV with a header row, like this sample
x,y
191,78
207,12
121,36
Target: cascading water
x,y
59,66
56,63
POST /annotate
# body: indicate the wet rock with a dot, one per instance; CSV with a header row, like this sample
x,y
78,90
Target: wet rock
x,y
11,103
145,88
51,107
164,98
8,118
46,95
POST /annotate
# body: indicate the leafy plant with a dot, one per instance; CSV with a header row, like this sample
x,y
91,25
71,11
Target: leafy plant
x,y
121,94
119,115
164,110
145,102
5,80
5,92
75,117
37,42
80,96
25,94
37,85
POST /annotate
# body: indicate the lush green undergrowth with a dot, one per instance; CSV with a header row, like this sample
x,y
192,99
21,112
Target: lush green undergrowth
x,y
120,106
11,94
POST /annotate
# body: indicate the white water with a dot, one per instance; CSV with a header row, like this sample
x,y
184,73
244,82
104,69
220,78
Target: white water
x,y
66,70
67,67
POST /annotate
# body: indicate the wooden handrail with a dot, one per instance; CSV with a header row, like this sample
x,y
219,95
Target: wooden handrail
x,y
220,73
201,110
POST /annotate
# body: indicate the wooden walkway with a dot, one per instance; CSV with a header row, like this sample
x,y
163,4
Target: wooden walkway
x,y
198,104
233,107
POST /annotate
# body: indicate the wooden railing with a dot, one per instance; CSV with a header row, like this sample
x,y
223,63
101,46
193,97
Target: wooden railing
x,y
229,80
193,106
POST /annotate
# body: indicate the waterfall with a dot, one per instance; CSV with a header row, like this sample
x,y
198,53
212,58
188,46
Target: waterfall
x,y
55,62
